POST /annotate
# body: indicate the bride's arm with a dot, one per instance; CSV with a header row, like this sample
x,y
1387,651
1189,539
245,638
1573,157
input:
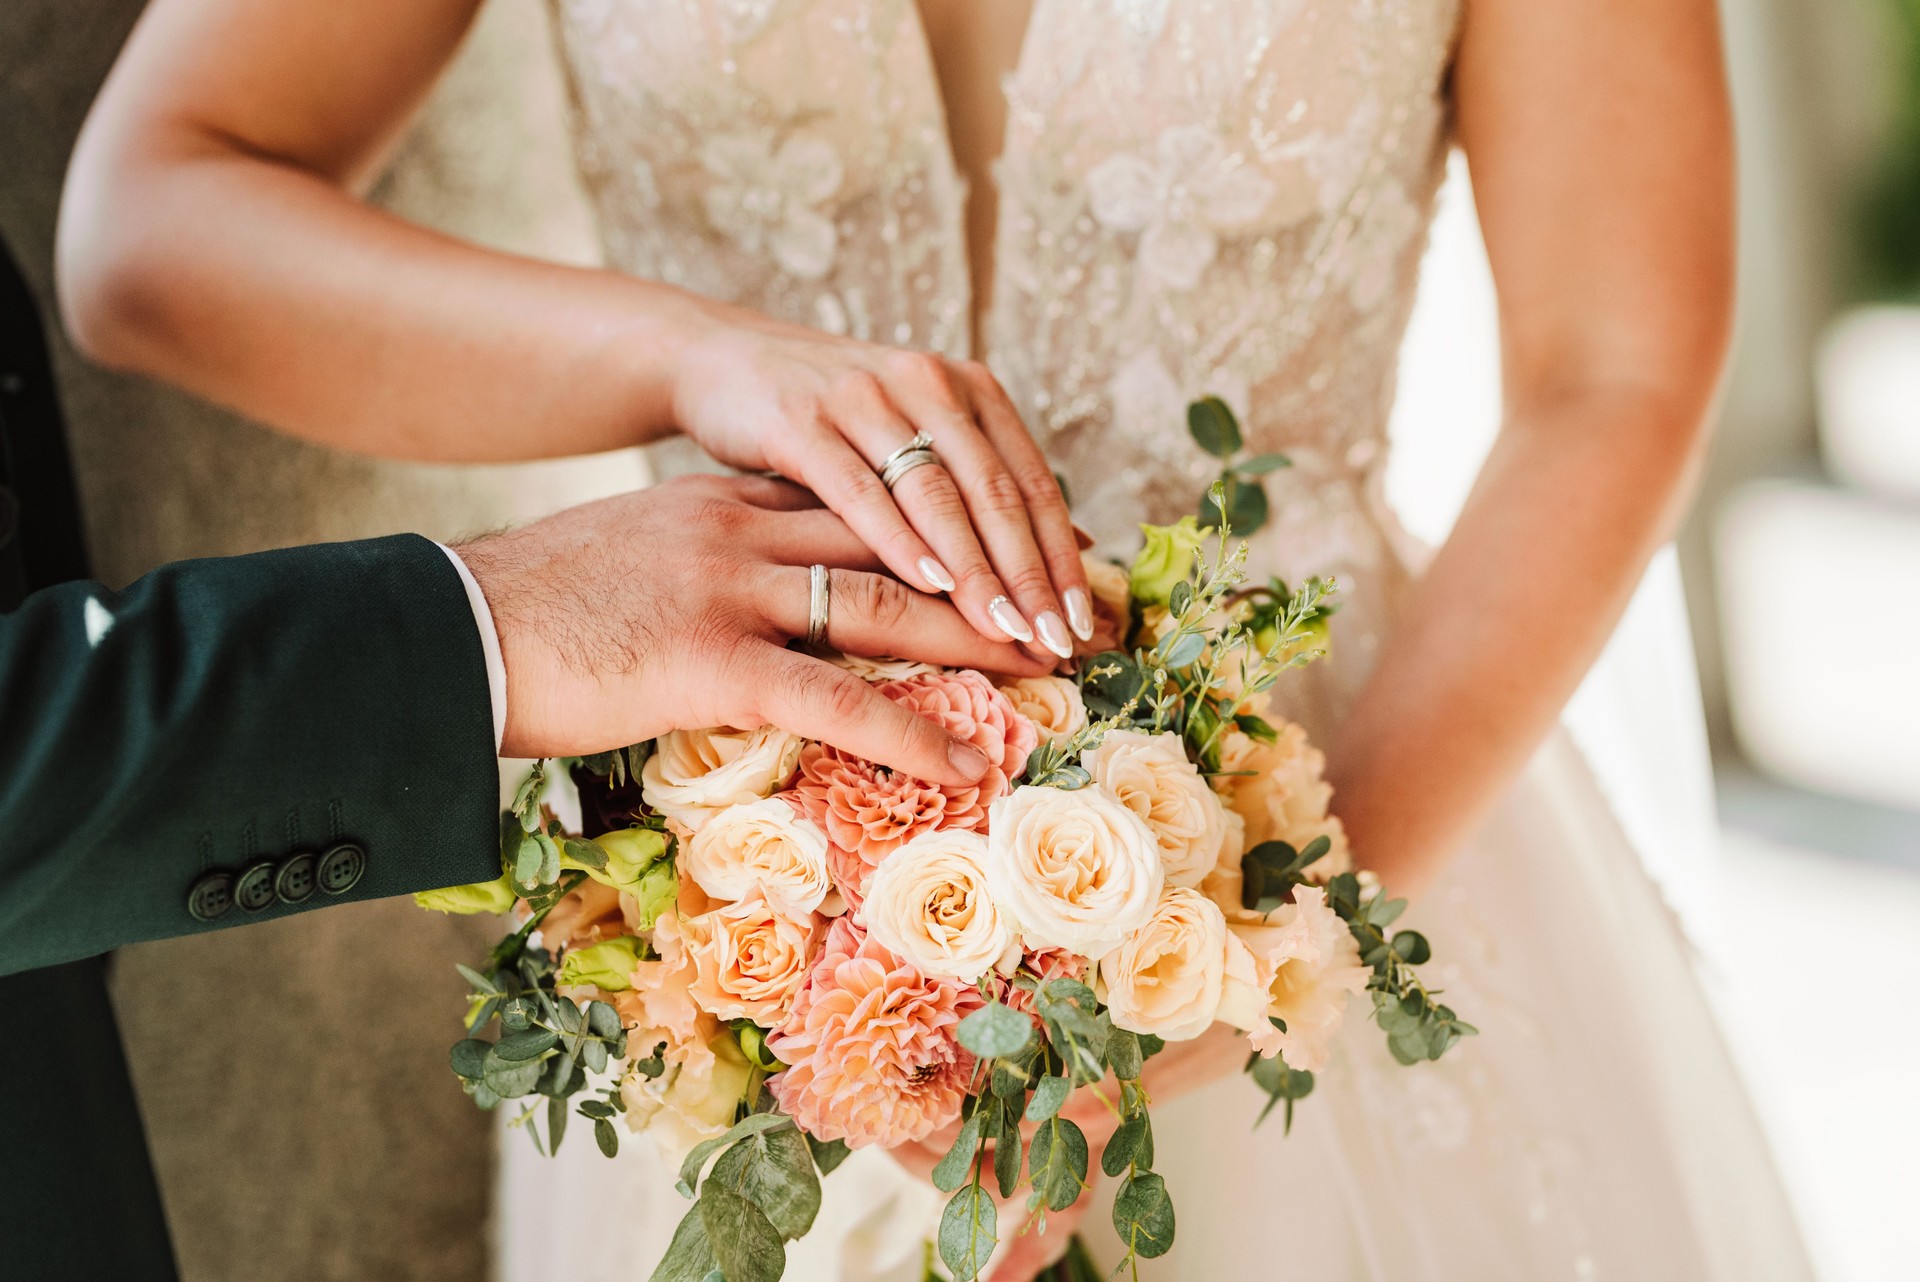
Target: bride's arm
x,y
1599,140
211,235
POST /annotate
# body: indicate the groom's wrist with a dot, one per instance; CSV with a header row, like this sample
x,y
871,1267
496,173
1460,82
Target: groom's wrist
x,y
489,644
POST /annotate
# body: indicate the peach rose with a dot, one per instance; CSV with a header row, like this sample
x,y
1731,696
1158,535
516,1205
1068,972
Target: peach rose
x,y
1151,776
750,958
1077,870
765,843
870,1046
694,1099
694,773
928,902
1053,704
1299,964
868,811
1166,977
1283,798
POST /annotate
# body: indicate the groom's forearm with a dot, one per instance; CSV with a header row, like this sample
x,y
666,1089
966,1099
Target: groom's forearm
x,y
231,740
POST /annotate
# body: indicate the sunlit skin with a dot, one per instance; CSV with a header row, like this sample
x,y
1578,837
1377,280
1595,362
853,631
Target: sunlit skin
x,y
1600,145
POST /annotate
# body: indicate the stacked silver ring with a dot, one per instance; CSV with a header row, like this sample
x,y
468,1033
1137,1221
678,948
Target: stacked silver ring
x,y
819,604
915,453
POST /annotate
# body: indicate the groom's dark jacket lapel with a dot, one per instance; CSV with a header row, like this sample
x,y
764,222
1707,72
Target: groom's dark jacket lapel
x,y
219,743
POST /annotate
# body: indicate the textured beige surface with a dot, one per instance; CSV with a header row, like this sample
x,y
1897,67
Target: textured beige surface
x,y
293,1075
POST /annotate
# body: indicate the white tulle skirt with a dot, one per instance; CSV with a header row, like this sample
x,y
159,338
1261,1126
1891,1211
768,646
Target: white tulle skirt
x,y
1595,1130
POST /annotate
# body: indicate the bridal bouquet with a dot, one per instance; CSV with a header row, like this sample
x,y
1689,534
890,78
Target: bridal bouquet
x,y
764,951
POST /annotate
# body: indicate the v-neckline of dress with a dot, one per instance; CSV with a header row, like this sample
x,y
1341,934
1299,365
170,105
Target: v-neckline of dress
x,y
975,308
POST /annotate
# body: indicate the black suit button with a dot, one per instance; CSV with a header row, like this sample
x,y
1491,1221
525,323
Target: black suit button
x,y
295,879
211,897
340,868
254,890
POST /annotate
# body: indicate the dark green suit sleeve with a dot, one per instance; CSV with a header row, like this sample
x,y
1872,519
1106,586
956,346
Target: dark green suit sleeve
x,y
247,715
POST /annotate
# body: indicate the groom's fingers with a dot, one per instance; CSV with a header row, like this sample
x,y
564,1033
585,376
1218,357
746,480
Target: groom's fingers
x,y
803,538
774,493
814,699
873,614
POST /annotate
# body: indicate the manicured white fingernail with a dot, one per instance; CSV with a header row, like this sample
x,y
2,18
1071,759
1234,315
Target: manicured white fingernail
x,y
1080,613
1010,620
1053,635
935,573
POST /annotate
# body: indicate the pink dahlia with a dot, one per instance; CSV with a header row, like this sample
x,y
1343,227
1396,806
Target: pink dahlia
x,y
868,811
1043,964
870,1046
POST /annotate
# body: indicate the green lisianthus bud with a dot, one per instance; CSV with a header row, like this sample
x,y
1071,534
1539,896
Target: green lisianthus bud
x,y
607,966
630,852
656,892
1166,559
495,896
753,1044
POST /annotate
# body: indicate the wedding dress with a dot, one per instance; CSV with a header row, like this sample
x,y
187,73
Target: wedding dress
x,y
1196,196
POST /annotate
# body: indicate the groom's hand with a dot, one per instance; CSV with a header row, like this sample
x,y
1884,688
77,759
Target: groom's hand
x,y
670,608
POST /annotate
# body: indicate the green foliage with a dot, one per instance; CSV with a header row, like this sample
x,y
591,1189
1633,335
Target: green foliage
x,y
995,1031
969,1230
1057,1164
1281,1083
746,1246
1239,495
1143,1215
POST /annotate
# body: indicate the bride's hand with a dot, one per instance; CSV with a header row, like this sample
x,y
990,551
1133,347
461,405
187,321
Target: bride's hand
x,y
990,527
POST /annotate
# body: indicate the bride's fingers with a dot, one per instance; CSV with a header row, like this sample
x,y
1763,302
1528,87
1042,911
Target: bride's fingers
x,y
874,614
848,485
1053,527
996,504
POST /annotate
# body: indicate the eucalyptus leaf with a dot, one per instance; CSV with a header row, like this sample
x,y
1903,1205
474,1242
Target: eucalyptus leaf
x,y
1048,1098
593,1054
527,859
745,1244
1143,1215
1184,649
1007,1148
1123,1054
598,1110
481,984
1213,427
469,1058
774,1170
606,1137
697,1157
556,1123
968,1231
1125,1145
1180,598
1262,464
511,1079
951,1172
587,854
603,1020
689,1256
1411,947
828,1154
995,1030
1057,1162
525,1045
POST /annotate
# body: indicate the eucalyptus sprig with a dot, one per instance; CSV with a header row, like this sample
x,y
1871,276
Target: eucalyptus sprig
x,y
1242,494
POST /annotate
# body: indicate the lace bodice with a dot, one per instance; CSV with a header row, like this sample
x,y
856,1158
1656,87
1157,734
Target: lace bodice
x,y
1196,196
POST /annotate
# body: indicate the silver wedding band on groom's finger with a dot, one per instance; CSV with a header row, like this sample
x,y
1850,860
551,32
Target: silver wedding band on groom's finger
x,y
819,604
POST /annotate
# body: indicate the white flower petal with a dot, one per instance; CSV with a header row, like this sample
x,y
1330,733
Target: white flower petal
x,y
807,169
1123,193
804,244
1236,197
1177,255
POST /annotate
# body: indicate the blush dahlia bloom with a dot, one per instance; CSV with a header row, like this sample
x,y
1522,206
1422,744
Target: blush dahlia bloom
x,y
868,811
870,1046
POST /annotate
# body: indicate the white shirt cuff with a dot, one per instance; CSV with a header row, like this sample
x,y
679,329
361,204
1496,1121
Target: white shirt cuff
x,y
489,643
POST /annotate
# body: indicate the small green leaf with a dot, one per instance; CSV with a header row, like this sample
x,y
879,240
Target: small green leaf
x,y
481,984
951,1172
1150,1045
968,1232
1123,1054
774,1170
1048,1098
556,1123
598,1110
1411,947
1180,598
1262,464
697,1157
527,1045
1125,1145
1181,649
995,1030
1143,1215
469,1058
603,1020
1213,427
828,1154
511,1079
586,853
527,860
606,1137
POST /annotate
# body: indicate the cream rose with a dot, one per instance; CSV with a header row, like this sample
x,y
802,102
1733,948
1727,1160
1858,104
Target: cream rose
x,y
879,670
694,773
694,1100
1053,704
1282,797
764,843
1299,964
1166,978
929,903
750,958
1152,777
1077,870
